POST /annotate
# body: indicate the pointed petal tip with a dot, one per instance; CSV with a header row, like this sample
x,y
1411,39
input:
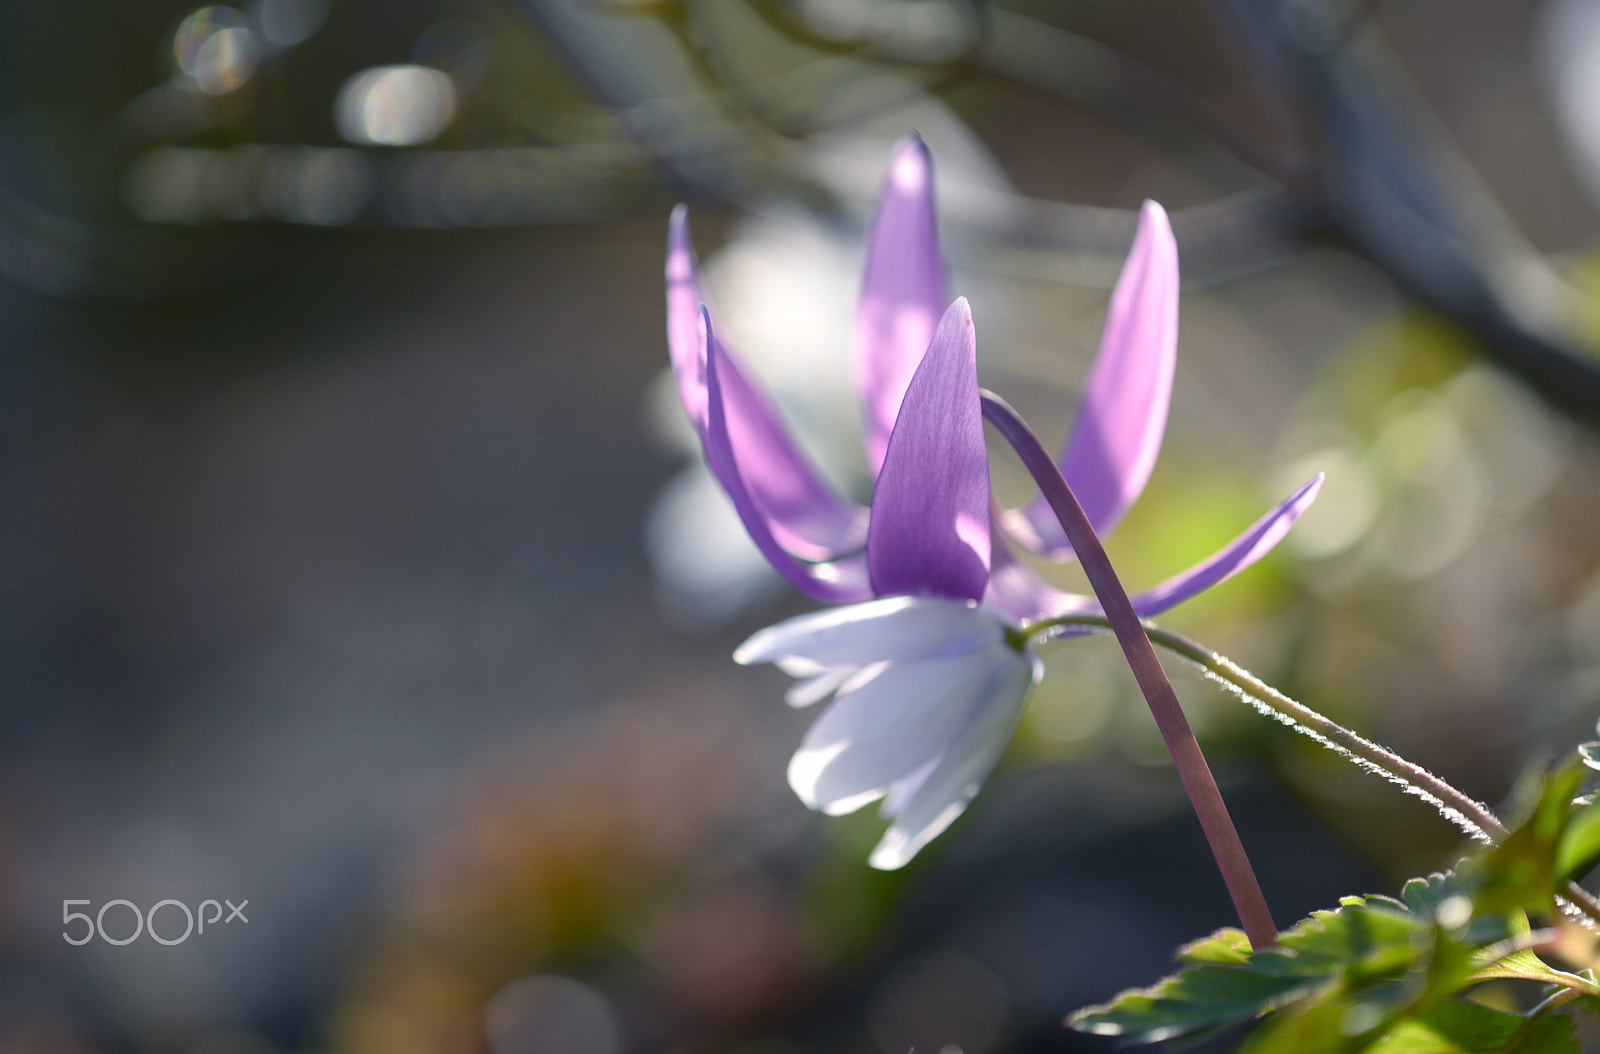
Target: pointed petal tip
x,y
912,147
1302,498
960,310
1113,446
680,247
1257,540
903,291
899,846
804,769
708,341
678,239
911,166
1155,228
752,650
766,645
891,854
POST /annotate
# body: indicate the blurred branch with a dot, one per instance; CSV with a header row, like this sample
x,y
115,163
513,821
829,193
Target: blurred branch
x,y
1392,187
792,86
709,93
1368,165
637,67
1092,74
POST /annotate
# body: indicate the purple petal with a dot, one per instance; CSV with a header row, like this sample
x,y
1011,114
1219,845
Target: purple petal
x,y
840,582
1019,591
806,515
1113,445
902,293
929,531
1243,551
685,293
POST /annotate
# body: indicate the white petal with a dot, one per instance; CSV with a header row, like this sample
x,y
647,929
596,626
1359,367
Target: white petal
x,y
888,728
863,676
802,694
902,789
943,795
890,629
798,667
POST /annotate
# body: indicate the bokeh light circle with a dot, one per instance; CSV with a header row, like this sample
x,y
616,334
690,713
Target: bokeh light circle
x,y
395,105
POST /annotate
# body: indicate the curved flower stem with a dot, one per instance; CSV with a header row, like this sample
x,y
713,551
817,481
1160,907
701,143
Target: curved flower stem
x,y
1472,816
1124,622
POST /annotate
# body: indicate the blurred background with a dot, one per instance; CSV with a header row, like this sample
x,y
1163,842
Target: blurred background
x,y
356,560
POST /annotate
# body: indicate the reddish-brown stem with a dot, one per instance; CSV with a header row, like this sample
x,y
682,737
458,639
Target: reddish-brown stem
x,y
1186,756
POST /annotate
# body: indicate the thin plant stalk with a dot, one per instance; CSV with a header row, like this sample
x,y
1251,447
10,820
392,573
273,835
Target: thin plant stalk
x,y
1472,816
1198,782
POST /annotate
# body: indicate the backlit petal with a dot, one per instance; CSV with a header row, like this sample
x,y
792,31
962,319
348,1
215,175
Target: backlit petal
x,y
814,689
902,293
1114,441
807,516
838,583
804,513
1239,554
685,293
887,728
893,629
935,803
929,530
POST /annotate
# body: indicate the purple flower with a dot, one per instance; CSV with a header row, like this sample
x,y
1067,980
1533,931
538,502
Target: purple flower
x,y
926,676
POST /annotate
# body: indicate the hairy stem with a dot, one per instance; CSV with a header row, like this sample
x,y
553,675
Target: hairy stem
x,y
1124,622
1467,813
1471,815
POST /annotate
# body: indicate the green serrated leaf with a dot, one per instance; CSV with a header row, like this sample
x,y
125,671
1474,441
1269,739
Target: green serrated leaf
x,y
1377,970
1424,895
1199,998
1449,893
1459,1027
1227,945
1366,937
1359,943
